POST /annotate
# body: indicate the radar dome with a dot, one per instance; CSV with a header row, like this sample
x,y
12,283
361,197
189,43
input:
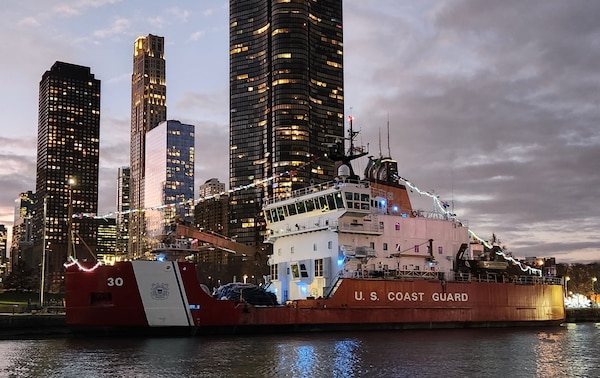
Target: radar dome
x,y
344,171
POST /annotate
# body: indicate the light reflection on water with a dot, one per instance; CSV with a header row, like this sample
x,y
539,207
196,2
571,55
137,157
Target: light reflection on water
x,y
568,351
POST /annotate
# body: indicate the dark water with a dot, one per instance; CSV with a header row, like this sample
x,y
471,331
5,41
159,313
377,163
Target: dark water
x,y
569,351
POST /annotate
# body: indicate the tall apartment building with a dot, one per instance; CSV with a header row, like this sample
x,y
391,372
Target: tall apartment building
x,y
286,101
211,212
123,215
21,247
107,239
3,253
148,109
169,181
67,165
211,187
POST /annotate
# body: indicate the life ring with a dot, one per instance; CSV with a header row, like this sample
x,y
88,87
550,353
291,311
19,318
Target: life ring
x,y
414,213
365,273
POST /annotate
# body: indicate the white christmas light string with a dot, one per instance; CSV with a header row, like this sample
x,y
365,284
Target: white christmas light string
x,y
443,207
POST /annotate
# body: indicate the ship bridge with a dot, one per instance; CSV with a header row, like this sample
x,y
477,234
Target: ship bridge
x,y
332,205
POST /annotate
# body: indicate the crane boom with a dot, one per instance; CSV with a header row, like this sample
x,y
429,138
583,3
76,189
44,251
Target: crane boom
x,y
218,241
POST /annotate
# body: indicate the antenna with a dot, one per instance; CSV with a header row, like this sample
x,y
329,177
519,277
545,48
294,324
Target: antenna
x,y
388,136
379,132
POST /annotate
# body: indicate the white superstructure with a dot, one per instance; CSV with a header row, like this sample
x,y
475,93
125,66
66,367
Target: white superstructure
x,y
355,229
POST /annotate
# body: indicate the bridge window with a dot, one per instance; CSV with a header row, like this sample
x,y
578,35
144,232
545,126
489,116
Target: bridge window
x,y
292,209
331,201
301,208
323,203
310,205
339,201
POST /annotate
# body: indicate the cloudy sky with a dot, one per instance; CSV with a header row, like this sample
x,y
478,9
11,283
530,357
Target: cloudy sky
x,y
493,105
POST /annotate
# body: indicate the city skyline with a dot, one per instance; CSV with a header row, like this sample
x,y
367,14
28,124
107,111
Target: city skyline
x,y
492,107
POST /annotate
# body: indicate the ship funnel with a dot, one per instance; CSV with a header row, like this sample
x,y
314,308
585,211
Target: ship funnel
x,y
344,171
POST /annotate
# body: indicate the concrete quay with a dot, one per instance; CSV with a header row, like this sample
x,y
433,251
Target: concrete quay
x,y
583,315
16,326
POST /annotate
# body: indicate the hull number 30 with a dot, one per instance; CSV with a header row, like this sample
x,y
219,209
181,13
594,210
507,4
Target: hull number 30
x,y
114,281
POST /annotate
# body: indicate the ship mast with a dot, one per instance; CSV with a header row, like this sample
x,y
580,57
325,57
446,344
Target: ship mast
x,y
338,154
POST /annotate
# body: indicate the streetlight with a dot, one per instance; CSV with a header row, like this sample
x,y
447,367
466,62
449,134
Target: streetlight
x,y
70,249
594,279
567,278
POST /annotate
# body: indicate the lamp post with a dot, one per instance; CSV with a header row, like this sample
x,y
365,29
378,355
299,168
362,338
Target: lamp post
x,y
567,278
70,251
594,279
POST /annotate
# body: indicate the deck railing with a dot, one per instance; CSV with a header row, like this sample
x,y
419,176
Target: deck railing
x,y
451,276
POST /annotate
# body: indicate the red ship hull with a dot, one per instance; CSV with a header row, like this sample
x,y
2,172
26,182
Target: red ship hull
x,y
146,295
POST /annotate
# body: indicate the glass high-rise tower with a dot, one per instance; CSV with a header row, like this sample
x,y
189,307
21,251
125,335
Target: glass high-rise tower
x,y
169,181
148,109
68,151
286,101
123,207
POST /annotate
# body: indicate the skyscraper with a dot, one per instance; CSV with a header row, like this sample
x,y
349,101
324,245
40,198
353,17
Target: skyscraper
x,y
148,109
286,100
212,210
67,164
211,187
21,248
3,251
169,182
107,239
123,215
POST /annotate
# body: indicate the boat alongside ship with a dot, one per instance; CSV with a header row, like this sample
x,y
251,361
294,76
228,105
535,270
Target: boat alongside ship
x,y
351,254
